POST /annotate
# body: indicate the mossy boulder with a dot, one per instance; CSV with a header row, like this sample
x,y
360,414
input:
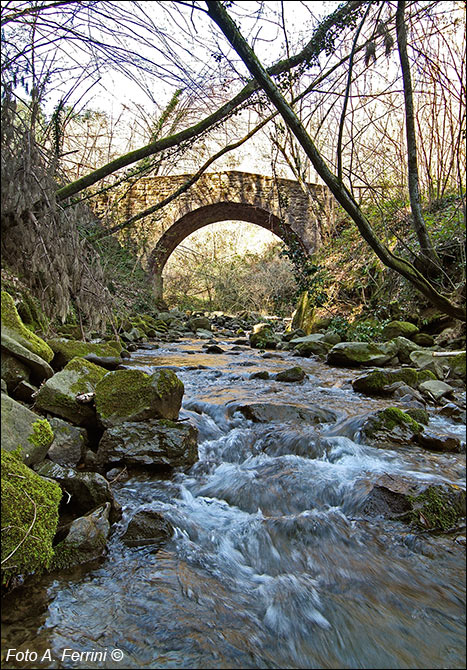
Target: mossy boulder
x,y
377,382
355,354
388,428
65,350
133,395
58,394
24,430
456,364
152,443
405,348
432,507
199,323
86,540
426,360
424,340
314,344
295,374
438,507
15,328
29,518
38,368
263,337
399,328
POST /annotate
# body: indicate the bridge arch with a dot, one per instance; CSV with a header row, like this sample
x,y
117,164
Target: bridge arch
x,y
205,216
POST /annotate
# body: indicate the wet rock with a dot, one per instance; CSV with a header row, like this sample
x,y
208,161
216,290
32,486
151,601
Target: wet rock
x,y
262,374
86,539
69,445
147,527
404,349
389,428
214,349
295,374
271,412
429,507
430,440
133,395
13,371
454,412
293,334
355,354
405,393
58,394
22,428
426,360
419,414
83,491
150,443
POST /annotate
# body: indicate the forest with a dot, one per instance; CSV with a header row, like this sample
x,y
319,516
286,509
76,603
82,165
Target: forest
x,y
233,333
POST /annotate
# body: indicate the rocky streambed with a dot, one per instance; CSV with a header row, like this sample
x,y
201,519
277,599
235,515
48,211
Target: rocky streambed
x,y
315,528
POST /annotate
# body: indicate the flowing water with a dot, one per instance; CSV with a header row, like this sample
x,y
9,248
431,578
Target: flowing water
x,y
272,564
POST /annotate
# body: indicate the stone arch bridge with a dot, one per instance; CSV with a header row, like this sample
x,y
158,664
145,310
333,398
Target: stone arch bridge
x,y
281,206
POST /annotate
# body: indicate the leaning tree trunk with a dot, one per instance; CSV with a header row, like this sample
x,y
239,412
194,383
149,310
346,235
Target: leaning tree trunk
x,y
218,13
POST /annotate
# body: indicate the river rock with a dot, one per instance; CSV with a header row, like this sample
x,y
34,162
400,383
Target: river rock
x,y
424,340
199,323
38,367
70,443
150,443
309,345
454,412
107,362
263,337
22,428
265,412
427,506
58,394
388,428
426,360
133,395
295,374
13,371
65,350
436,389
379,382
147,527
86,539
354,354
13,327
399,328
404,349
433,442
87,489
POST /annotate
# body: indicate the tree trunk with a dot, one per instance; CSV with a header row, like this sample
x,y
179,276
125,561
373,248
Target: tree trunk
x,y
217,12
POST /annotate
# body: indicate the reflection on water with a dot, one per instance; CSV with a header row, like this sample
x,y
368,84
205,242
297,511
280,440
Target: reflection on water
x,y
271,565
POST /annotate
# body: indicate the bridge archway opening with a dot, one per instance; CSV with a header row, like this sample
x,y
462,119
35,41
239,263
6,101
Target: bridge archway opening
x,y
205,216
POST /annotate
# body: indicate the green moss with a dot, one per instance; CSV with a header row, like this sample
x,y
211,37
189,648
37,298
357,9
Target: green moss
x,y
424,376
419,415
89,373
457,365
438,507
42,434
15,327
391,417
167,383
122,393
69,349
29,516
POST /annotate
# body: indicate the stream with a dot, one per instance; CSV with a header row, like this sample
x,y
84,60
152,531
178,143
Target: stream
x,y
272,564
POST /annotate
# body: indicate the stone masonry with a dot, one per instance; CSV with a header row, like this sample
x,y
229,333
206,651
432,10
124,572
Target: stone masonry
x,y
280,206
